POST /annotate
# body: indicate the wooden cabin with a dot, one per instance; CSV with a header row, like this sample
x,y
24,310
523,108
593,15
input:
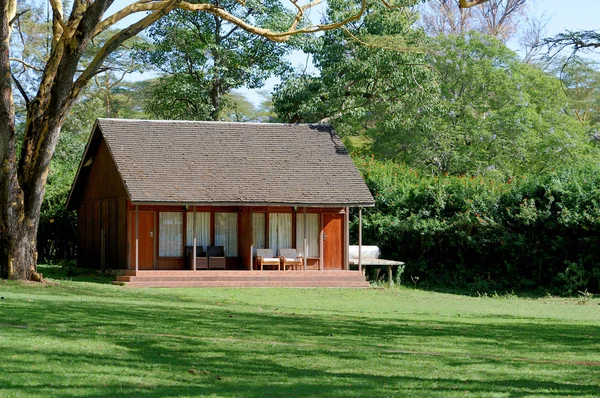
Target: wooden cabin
x,y
146,190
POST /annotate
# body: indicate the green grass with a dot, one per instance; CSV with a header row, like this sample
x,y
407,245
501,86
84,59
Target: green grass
x,y
72,338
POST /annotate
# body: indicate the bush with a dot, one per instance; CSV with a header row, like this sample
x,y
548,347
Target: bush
x,y
487,234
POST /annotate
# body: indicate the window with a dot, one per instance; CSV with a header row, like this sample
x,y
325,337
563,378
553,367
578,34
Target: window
x,y
258,231
202,229
226,233
280,231
312,234
171,234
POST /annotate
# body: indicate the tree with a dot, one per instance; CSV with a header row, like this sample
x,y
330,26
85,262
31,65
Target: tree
x,y
498,113
371,73
584,40
204,58
498,18
581,81
25,160
474,108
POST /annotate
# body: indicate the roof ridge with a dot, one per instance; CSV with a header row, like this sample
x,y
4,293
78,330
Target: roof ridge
x,y
213,122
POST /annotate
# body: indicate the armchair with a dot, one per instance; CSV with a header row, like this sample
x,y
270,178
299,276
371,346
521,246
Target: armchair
x,y
289,257
265,257
216,257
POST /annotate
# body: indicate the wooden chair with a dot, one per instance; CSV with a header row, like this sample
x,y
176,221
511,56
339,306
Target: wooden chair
x,y
201,260
290,258
216,257
265,257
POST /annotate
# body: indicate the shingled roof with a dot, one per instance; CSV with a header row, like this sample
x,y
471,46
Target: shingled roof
x,y
231,163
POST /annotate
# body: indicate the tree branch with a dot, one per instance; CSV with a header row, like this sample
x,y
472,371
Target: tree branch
x,y
19,15
115,41
26,65
470,3
58,24
154,5
139,6
21,89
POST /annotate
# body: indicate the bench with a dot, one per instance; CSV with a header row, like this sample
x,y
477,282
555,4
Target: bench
x,y
370,257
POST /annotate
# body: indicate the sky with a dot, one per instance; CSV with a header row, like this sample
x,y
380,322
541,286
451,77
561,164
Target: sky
x,y
562,15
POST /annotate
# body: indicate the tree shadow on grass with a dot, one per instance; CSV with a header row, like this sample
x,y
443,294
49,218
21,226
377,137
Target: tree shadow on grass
x,y
188,349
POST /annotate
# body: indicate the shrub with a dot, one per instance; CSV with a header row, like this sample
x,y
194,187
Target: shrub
x,y
485,233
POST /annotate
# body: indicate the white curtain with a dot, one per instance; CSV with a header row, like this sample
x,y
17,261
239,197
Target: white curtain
x,y
171,234
202,229
258,231
312,234
226,233
280,231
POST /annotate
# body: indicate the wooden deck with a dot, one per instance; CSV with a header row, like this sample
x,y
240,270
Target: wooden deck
x,y
350,279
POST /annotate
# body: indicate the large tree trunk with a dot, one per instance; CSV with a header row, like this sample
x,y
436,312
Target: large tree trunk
x,y
17,232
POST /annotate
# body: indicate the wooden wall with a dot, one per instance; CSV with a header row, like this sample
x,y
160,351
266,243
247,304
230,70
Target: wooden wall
x,y
242,261
102,212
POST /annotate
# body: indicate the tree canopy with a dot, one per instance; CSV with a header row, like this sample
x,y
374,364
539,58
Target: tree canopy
x,y
203,58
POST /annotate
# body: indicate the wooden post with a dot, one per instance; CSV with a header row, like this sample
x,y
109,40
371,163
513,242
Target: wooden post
x,y
137,239
194,240
347,239
360,239
390,275
305,240
251,239
322,245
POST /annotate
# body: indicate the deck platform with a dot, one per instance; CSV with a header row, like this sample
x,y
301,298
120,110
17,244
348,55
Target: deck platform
x,y
218,278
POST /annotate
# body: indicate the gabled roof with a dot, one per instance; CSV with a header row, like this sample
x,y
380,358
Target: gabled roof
x,y
230,163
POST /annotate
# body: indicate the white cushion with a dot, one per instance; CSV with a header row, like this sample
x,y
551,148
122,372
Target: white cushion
x,y
367,251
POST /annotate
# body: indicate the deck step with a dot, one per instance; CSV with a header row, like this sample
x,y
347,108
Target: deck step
x,y
164,278
331,284
233,278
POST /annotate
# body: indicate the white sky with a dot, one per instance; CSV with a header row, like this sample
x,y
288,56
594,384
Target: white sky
x,y
563,14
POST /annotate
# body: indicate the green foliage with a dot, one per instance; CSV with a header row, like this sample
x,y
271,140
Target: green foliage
x,y
469,106
369,74
497,114
204,58
581,80
487,233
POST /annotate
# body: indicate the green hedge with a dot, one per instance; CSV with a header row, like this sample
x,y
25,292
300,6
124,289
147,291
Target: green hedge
x,y
487,234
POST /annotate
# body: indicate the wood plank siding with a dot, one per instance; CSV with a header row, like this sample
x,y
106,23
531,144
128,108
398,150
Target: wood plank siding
x,y
243,260
102,215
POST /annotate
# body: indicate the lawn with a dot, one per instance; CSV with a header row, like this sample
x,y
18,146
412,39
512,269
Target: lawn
x,y
92,339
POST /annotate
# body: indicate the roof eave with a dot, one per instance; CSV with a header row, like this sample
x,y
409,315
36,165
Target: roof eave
x,y
252,204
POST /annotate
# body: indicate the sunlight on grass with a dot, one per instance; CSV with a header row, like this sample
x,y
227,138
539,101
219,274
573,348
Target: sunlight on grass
x,y
72,338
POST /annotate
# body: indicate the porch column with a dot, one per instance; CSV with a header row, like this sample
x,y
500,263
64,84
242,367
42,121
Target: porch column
x,y
305,240
137,239
194,240
322,244
252,239
360,239
347,239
